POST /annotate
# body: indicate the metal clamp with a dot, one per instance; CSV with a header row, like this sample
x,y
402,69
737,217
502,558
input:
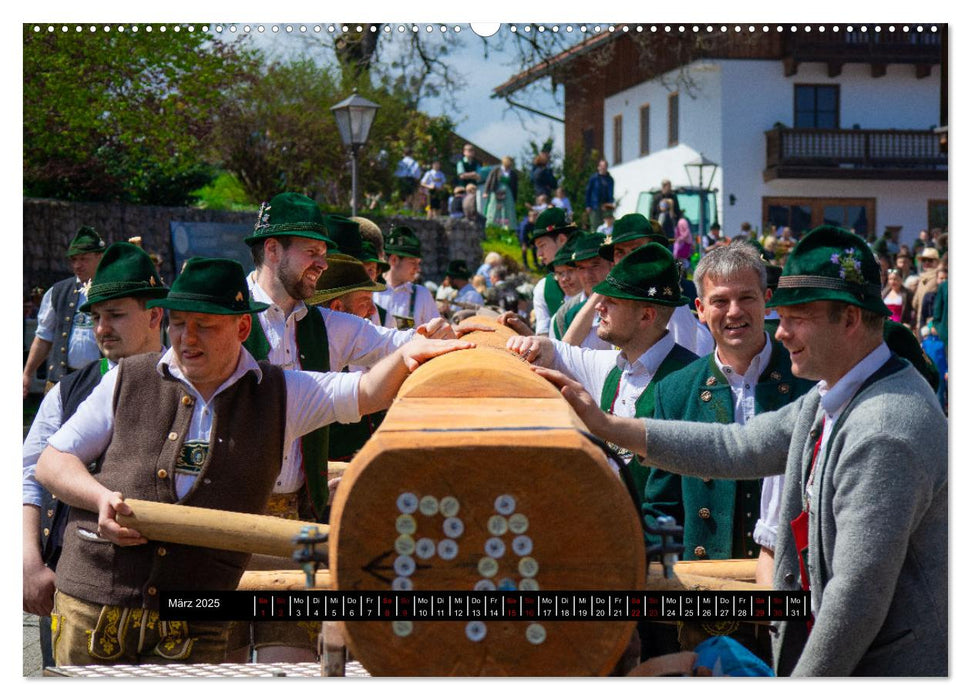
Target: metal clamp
x,y
307,556
669,550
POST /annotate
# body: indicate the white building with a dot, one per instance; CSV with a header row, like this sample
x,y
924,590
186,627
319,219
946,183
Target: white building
x,y
805,130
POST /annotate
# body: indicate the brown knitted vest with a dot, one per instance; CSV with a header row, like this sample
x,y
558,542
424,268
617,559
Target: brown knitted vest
x,y
152,414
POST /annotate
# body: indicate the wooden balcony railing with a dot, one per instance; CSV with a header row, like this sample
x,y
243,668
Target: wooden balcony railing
x,y
885,154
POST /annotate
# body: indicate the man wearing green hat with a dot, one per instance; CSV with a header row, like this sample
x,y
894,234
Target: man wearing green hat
x,y
291,244
404,304
638,297
630,232
550,233
864,514
64,335
124,281
203,425
591,270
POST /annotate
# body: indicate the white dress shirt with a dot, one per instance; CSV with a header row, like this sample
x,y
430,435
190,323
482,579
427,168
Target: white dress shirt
x,y
314,399
397,302
350,341
591,367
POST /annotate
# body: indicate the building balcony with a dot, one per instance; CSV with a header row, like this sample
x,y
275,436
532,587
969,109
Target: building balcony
x,y
854,154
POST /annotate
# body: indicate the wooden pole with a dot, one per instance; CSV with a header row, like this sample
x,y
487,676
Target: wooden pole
x,y
283,580
217,529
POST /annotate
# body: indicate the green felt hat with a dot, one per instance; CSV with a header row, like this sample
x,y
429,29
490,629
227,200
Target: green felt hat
x,y
342,275
564,256
649,273
587,246
289,214
125,270
86,240
551,222
459,269
370,254
346,235
630,227
210,286
830,264
403,242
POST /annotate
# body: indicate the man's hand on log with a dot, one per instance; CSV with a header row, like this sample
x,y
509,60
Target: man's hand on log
x,y
110,504
536,349
418,350
514,321
577,397
437,328
624,432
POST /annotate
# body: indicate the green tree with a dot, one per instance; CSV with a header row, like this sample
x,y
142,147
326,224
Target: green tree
x,y
124,116
278,133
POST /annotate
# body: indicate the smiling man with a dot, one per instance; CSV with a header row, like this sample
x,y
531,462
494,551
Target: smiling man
x,y
864,517
747,374
203,425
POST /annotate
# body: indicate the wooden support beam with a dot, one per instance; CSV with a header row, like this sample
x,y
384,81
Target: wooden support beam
x,y
790,66
878,70
834,68
922,70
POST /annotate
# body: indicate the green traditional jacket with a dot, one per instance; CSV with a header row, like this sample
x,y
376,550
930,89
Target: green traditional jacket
x,y
311,333
676,359
561,320
718,515
552,294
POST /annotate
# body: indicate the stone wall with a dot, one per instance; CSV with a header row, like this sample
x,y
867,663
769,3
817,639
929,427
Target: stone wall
x,y
49,226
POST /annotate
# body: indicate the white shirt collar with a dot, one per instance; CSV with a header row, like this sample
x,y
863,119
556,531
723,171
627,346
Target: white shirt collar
x,y
652,358
259,294
245,364
755,368
834,399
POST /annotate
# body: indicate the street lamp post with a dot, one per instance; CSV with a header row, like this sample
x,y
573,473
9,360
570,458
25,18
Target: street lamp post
x,y
354,118
701,163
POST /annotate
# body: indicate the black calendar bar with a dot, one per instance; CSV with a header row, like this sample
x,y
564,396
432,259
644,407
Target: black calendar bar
x,y
417,606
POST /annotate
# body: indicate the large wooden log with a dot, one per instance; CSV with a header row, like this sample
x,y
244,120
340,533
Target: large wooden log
x,y
480,476
218,529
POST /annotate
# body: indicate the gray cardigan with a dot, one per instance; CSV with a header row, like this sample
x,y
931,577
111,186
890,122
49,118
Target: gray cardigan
x,y
877,528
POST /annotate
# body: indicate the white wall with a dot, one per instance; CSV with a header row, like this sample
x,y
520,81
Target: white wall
x,y
699,114
736,102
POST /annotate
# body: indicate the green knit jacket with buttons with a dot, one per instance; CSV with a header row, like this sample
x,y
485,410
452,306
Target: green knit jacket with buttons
x,y
718,516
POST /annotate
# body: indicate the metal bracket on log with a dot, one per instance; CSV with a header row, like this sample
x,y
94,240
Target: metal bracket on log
x,y
308,556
